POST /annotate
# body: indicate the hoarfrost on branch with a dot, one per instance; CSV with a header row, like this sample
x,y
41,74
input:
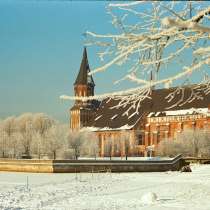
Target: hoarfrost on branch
x,y
168,44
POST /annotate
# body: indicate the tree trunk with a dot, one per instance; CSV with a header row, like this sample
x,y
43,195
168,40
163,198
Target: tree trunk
x,y
54,154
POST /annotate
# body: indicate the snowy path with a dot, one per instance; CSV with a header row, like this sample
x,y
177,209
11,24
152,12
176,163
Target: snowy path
x,y
174,190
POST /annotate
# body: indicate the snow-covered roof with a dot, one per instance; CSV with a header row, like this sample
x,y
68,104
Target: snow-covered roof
x,y
124,127
98,117
113,117
204,111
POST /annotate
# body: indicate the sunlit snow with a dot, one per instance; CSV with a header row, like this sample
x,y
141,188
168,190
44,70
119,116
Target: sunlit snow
x,y
152,191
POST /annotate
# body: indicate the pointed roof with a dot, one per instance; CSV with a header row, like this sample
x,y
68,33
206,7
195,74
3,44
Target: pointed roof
x,y
83,78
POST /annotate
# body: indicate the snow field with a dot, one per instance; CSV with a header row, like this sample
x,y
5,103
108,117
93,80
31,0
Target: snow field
x,y
86,191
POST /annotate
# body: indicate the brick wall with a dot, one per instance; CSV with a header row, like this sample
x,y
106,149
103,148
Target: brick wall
x,y
152,131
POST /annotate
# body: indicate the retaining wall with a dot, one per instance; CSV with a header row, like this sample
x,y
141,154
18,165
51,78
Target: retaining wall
x,y
72,166
197,160
37,166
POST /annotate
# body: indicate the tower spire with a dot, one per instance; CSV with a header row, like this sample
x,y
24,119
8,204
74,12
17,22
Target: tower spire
x,y
84,85
83,78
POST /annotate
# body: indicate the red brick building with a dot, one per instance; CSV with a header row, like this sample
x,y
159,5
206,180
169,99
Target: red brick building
x,y
157,118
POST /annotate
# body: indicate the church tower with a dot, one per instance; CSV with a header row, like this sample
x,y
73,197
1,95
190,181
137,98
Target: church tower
x,y
82,111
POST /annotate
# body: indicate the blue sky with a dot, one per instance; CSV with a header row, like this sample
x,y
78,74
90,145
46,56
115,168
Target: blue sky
x,y
41,45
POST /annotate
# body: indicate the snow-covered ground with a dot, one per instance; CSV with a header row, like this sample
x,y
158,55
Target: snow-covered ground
x,y
152,191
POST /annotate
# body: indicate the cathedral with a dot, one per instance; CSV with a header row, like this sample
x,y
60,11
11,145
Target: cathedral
x,y
156,119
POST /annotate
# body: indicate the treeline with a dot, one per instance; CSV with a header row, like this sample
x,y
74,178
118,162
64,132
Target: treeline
x,y
40,136
190,142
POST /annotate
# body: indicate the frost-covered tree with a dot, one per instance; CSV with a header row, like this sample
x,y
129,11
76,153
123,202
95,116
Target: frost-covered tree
x,y
196,141
8,125
126,144
76,141
116,151
38,145
32,128
7,134
56,139
26,135
42,122
170,148
11,142
25,128
3,143
15,148
9,138
90,146
108,147
158,44
190,142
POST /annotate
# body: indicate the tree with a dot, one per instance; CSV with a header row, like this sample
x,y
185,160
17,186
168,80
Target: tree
x,y
39,145
32,129
8,125
108,147
116,147
56,139
90,146
196,141
152,39
7,131
25,127
191,142
125,138
170,148
25,135
14,145
41,125
76,141
42,122
9,138
3,143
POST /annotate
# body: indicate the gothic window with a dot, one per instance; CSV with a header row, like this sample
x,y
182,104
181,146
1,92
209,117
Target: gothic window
x,y
140,139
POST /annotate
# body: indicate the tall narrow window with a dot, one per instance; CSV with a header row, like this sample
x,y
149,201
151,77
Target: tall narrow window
x,y
140,139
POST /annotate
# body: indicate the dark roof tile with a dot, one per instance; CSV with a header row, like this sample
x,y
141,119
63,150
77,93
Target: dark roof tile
x,y
115,118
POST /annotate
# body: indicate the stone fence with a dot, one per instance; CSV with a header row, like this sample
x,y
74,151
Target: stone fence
x,y
91,166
